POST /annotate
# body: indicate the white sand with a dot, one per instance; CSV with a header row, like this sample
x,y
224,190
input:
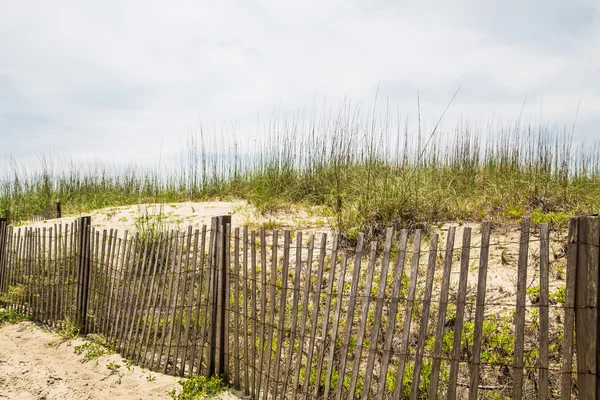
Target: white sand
x,y
32,367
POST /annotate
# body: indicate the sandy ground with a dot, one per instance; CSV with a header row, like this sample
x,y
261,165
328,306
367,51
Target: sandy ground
x,y
181,215
33,367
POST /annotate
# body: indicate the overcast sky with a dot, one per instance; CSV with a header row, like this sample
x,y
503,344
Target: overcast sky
x,y
117,78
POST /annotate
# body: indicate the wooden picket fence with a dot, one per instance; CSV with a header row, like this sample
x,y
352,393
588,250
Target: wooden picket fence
x,y
305,317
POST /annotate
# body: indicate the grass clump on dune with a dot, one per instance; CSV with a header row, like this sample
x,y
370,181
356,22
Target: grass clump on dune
x,y
366,173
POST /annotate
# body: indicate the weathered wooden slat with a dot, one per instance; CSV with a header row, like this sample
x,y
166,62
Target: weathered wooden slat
x,y
245,320
98,279
190,276
159,300
44,278
349,316
326,316
132,326
197,280
263,306
479,311
136,250
569,314
543,313
302,335
294,310
37,262
204,277
414,390
173,297
439,332
111,282
315,315
363,321
212,336
335,325
226,274
120,278
106,272
460,313
236,308
183,285
282,314
410,303
73,270
520,312
128,274
149,305
170,278
148,276
255,390
586,303
366,392
269,352
59,277
389,335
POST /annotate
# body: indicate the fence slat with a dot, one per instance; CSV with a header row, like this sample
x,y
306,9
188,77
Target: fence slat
x,y
569,318
150,305
378,313
479,311
414,392
302,336
246,325
439,333
586,303
460,313
192,279
198,303
137,285
255,388
410,302
74,273
263,273
315,315
236,305
183,278
363,321
326,316
295,301
543,312
520,310
55,280
282,309
128,274
111,281
173,297
204,277
119,279
269,353
170,276
389,335
350,316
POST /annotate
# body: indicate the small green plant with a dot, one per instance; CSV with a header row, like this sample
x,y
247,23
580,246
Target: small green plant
x,y
11,316
113,366
96,347
198,387
151,378
69,331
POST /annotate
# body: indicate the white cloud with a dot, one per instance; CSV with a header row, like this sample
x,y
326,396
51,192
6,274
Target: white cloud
x,y
114,78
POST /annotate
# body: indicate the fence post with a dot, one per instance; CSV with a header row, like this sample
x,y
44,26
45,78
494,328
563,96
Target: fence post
x,y
58,210
218,288
223,301
83,276
586,306
3,268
